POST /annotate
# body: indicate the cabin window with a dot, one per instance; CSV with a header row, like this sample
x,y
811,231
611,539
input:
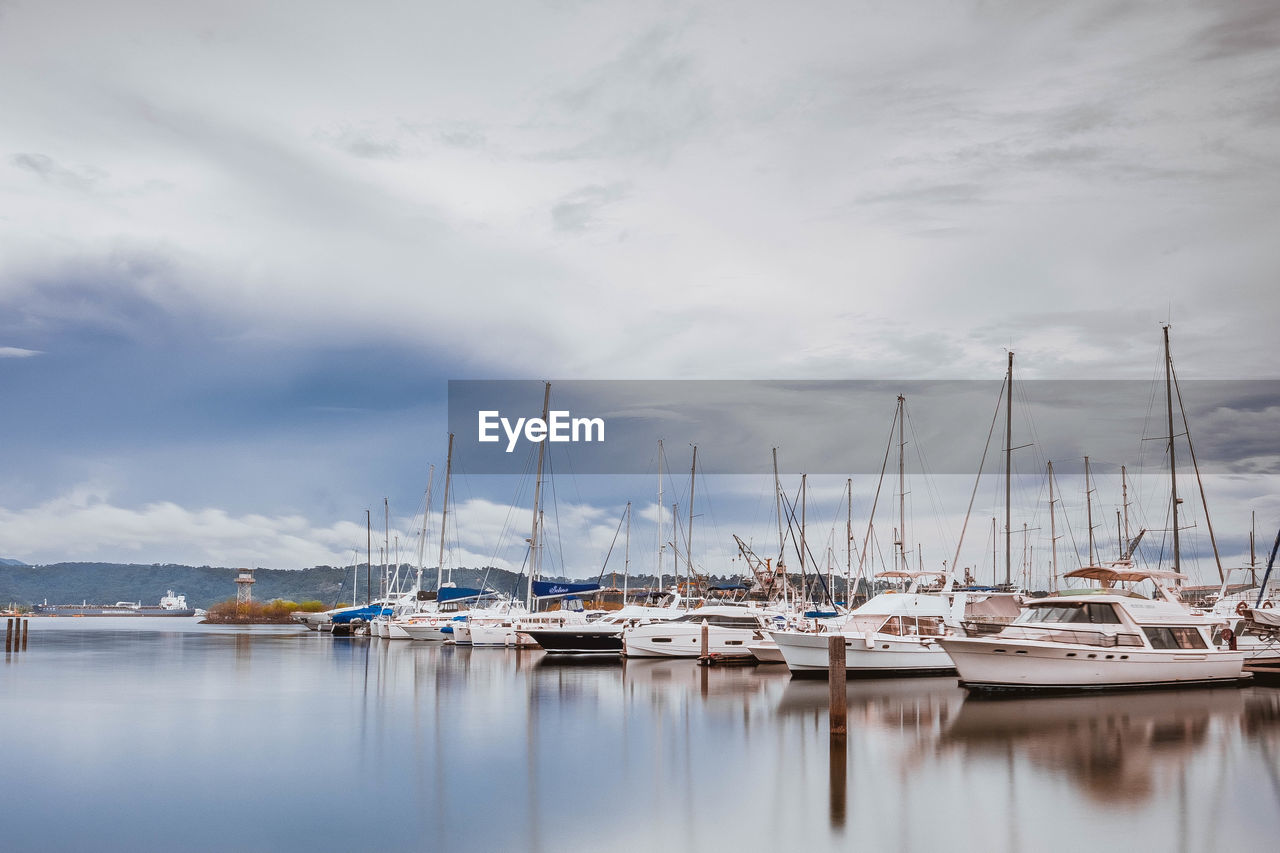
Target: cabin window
x,y
1175,638
929,626
892,625
662,639
1082,613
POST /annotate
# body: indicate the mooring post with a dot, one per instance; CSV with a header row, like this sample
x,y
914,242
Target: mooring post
x,y
26,626
836,680
706,641
8,635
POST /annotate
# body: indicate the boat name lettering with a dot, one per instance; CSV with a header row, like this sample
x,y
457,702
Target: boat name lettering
x,y
559,426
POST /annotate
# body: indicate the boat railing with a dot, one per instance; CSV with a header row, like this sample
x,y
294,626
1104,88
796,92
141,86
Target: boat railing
x,y
1073,636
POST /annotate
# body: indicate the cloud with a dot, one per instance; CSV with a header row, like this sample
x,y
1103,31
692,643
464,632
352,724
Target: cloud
x,y
82,178
581,209
169,532
18,352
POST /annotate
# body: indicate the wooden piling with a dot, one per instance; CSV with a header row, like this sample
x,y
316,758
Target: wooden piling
x,y
8,635
839,712
706,640
26,626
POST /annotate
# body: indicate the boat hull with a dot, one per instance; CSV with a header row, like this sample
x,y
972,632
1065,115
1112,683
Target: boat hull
x,y
105,610
652,641
1009,664
578,640
883,655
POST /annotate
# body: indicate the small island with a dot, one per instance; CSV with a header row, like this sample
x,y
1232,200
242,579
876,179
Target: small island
x,y
275,612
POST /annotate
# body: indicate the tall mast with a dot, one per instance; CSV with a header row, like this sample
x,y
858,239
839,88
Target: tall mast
x,y
1173,471
368,557
688,533
1053,533
902,489
777,499
1008,474
1088,502
426,511
626,560
1124,495
1119,537
662,545
537,501
1253,557
848,544
995,563
386,545
804,501
444,513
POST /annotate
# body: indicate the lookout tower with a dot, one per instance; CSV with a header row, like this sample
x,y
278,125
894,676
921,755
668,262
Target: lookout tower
x,y
244,586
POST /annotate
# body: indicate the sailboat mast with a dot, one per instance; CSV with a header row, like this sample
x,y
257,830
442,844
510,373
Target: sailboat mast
x,y
426,511
1253,557
1173,471
1008,475
848,544
386,545
626,560
688,533
537,500
368,557
444,513
1124,499
777,499
1088,503
1053,533
662,546
804,502
902,488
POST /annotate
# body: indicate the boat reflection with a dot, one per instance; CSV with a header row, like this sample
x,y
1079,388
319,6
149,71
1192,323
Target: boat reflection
x,y
1119,750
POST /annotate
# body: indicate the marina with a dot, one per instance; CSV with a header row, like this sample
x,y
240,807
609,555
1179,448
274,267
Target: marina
x,y
315,740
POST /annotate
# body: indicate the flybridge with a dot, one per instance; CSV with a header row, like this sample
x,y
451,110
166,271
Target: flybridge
x,y
559,426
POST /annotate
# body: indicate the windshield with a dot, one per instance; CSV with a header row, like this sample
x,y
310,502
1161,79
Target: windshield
x,y
1073,613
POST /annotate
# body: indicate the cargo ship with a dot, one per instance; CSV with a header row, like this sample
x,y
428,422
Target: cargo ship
x,y
170,605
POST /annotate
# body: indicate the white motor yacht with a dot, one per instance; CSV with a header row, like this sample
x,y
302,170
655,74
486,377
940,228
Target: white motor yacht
x,y
731,629
1107,638
604,635
895,633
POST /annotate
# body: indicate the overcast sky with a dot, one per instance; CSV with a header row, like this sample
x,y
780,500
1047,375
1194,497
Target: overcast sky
x,y
243,246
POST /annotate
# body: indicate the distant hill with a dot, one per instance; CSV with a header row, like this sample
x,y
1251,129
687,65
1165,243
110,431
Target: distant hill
x,y
72,583
4,561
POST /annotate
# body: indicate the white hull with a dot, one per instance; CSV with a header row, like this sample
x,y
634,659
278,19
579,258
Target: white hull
x,y
993,663
684,640
461,634
883,654
767,651
426,631
495,635
395,631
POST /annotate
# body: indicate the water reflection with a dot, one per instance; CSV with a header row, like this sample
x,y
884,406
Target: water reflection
x,y
495,749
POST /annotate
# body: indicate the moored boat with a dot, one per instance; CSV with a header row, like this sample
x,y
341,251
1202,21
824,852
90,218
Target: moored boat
x,y
1099,639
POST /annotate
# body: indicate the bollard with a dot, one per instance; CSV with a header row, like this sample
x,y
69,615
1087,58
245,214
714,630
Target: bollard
x,y
26,626
706,640
8,635
839,712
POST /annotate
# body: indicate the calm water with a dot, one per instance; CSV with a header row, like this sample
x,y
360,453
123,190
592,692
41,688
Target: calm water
x,y
120,734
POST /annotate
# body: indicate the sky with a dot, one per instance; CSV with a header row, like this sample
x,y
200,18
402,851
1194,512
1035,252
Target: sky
x,y
244,247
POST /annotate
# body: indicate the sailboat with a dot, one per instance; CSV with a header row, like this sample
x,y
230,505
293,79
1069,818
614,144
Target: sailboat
x,y
893,633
